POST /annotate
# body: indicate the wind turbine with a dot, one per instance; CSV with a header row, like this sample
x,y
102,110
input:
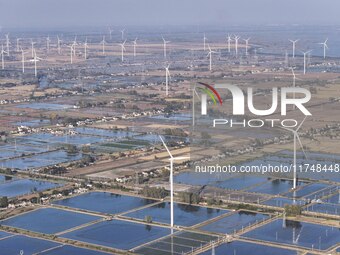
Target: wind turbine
x,y
304,60
32,48
164,46
204,41
210,57
71,52
103,45
7,44
172,159
247,43
167,76
35,60
2,57
74,44
294,43
110,32
325,47
58,44
23,60
85,48
122,49
296,138
229,41
18,40
236,38
48,40
122,31
294,83
134,47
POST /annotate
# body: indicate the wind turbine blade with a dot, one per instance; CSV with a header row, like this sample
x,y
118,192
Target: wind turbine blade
x,y
196,94
166,147
288,129
301,124
303,150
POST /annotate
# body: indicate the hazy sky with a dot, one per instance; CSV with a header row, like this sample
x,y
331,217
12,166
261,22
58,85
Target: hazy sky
x,y
60,13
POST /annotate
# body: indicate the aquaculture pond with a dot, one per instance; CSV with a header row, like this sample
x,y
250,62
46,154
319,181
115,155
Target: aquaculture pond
x,y
245,248
325,208
226,181
184,215
11,150
334,199
179,243
237,221
34,123
18,187
41,160
45,106
77,139
104,132
307,190
275,187
118,234
54,220
104,202
28,245
297,233
70,250
282,201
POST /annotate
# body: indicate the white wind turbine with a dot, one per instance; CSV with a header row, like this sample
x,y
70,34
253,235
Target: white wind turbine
x,y
7,44
110,32
294,83
85,48
103,45
35,60
247,44
164,46
59,45
23,59
172,159
122,49
167,77
48,40
296,138
134,47
32,48
228,41
204,41
236,38
2,57
210,57
294,43
122,31
74,44
325,47
18,47
304,60
71,52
